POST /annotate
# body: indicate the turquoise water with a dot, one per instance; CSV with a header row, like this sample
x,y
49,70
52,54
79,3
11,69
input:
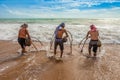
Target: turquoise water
x,y
37,20
73,21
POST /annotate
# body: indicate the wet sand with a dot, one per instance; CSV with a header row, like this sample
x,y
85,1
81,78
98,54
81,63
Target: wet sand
x,y
37,66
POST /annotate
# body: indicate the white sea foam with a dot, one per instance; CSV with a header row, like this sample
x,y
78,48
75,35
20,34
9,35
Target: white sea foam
x,y
109,30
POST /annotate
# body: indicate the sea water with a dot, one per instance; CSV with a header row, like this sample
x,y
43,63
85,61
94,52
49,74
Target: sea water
x,y
43,28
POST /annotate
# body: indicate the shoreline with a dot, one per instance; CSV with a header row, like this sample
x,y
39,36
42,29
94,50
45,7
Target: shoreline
x,y
72,44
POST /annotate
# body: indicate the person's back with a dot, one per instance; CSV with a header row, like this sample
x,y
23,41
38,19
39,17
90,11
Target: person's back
x,y
94,35
60,33
22,33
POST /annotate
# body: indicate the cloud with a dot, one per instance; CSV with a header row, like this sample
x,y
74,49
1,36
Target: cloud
x,y
73,4
69,3
63,9
73,13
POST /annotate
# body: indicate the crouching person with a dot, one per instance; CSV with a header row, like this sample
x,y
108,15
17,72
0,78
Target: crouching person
x,y
22,35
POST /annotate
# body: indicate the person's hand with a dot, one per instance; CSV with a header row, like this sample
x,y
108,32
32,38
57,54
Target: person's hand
x,y
64,39
89,36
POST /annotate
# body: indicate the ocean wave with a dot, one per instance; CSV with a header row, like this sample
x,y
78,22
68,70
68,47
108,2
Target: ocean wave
x,y
108,32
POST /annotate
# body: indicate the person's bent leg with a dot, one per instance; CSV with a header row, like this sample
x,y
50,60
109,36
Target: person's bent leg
x,y
23,46
95,50
61,54
20,41
55,47
23,50
61,48
89,49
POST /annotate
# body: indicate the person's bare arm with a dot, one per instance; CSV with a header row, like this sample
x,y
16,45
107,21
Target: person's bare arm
x,y
87,35
28,34
98,35
66,33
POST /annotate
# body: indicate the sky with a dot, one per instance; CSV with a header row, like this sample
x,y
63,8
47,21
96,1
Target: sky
x,y
59,8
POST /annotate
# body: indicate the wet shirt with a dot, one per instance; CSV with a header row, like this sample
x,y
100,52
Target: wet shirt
x,y
22,33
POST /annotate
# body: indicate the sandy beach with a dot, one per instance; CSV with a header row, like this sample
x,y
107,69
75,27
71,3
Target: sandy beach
x,y
37,66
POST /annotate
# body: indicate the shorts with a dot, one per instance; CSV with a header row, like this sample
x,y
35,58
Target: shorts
x,y
21,41
93,43
60,43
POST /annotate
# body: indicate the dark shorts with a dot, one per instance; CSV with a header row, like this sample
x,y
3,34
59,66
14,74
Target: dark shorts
x,y
21,41
93,44
60,43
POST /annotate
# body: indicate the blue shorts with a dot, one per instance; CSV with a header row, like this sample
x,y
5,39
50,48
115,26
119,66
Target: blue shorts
x,y
59,42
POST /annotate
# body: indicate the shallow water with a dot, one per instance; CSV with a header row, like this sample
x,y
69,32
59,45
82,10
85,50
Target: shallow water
x,y
37,66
